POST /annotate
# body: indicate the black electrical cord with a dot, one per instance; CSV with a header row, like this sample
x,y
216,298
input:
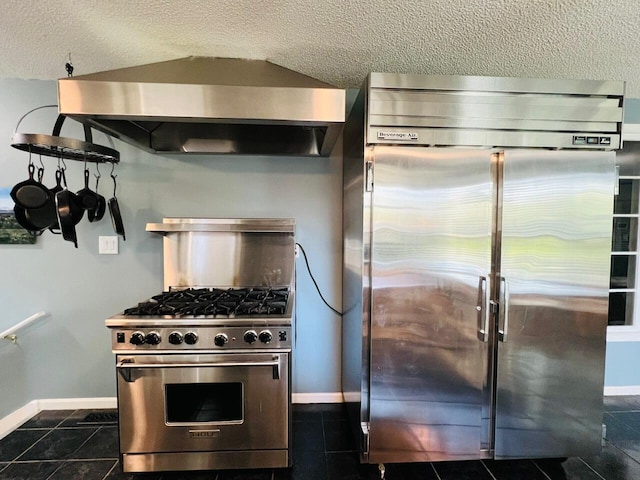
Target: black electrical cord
x,y
306,260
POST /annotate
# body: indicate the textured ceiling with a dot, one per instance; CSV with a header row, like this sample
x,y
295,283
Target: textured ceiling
x,y
338,41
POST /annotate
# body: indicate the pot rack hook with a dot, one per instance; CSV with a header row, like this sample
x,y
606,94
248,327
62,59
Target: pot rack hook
x,y
69,67
113,177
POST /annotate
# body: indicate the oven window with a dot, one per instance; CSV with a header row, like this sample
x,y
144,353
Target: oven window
x,y
204,402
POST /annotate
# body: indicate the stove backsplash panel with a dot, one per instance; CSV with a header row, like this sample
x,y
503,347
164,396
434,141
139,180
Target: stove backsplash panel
x,y
241,253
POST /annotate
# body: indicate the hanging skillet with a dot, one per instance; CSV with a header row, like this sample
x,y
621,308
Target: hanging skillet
x,y
45,216
114,210
98,213
30,193
34,226
69,212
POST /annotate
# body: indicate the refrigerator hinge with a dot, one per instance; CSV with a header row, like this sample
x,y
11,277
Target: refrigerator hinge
x,y
369,177
364,447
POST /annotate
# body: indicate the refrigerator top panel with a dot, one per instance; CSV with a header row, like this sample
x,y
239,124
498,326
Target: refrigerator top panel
x,y
467,111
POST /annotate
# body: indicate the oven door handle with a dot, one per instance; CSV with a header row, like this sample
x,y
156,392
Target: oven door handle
x,y
125,367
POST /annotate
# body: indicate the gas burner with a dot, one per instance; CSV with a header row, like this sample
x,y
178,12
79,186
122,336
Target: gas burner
x,y
193,302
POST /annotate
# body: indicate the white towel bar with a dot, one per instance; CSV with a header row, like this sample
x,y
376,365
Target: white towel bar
x,y
10,333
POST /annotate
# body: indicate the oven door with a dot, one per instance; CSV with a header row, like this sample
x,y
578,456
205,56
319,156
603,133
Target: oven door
x,y
192,403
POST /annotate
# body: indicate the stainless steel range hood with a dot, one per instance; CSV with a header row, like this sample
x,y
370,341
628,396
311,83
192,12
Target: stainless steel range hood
x,y
209,105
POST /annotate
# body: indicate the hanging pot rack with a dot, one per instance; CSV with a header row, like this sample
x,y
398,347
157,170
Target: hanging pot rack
x,y
62,147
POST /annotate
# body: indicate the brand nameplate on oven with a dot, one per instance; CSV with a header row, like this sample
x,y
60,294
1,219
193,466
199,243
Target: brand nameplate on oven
x,y
204,433
397,136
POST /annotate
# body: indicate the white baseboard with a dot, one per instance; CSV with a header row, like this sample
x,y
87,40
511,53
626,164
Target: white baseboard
x,y
77,403
626,390
320,397
12,421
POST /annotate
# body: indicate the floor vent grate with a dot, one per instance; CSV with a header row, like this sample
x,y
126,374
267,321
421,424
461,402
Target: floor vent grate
x,y
100,418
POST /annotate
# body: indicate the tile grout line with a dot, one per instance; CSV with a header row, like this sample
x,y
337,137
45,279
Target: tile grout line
x,y
33,445
488,470
115,464
435,471
540,468
591,468
623,452
62,462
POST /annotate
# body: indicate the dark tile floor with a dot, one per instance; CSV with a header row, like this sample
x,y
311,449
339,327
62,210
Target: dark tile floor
x,y
55,446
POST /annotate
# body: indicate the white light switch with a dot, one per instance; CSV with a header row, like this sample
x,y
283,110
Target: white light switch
x,y
108,245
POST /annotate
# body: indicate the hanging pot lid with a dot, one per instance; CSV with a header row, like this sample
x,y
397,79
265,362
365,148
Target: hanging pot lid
x,y
62,147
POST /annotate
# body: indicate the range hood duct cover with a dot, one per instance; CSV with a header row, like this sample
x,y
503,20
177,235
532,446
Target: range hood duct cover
x,y
209,105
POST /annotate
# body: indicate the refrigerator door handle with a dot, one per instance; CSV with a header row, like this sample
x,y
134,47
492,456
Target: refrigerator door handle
x,y
484,292
503,322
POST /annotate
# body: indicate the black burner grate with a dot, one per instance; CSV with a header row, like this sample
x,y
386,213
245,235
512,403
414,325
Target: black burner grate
x,y
215,301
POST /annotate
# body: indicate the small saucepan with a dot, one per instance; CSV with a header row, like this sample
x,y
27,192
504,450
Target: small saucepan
x,y
30,193
114,210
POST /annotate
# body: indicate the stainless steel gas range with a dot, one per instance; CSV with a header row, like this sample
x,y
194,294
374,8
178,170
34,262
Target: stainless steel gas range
x,y
204,368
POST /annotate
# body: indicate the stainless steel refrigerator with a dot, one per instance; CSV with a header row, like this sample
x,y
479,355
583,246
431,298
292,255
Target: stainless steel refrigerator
x,y
477,233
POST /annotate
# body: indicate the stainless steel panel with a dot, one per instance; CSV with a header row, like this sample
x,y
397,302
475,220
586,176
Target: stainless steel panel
x,y
355,277
164,462
496,84
471,108
264,423
431,245
238,253
494,111
281,336
490,138
490,123
175,224
556,234
393,100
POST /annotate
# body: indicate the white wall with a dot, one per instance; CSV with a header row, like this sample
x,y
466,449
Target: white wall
x,y
68,354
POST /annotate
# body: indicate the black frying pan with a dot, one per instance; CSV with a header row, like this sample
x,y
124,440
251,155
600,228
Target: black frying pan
x,y
98,212
55,228
87,197
45,216
30,193
114,210
21,218
69,212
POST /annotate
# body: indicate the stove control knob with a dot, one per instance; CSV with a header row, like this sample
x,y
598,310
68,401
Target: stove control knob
x,y
220,340
250,336
153,338
190,338
175,338
265,336
137,338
